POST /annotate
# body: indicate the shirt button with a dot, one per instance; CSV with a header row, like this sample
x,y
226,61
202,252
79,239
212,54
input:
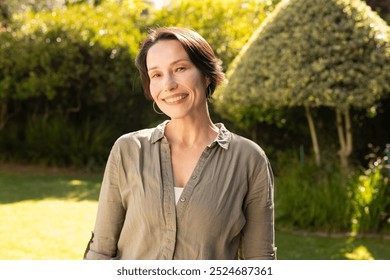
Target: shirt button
x,y
183,199
193,177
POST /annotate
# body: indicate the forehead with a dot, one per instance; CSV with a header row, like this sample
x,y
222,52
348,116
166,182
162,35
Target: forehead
x,y
165,52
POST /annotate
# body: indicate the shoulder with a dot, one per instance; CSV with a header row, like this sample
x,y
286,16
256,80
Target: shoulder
x,y
237,144
243,151
248,154
134,142
135,137
245,146
253,157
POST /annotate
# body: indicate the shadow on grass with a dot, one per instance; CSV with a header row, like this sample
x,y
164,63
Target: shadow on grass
x,y
16,188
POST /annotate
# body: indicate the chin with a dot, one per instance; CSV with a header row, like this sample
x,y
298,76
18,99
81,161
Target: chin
x,y
176,115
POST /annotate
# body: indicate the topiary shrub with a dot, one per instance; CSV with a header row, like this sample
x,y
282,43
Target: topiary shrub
x,y
333,53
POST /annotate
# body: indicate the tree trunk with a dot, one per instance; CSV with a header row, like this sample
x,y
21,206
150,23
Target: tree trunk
x,y
344,131
313,135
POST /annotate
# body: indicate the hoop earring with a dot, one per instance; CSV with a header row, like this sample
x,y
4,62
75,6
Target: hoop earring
x,y
154,109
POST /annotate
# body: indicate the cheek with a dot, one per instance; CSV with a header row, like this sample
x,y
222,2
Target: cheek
x,y
198,80
154,89
200,84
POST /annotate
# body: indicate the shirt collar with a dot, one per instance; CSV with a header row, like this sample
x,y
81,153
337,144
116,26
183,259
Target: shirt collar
x,y
158,132
224,136
223,139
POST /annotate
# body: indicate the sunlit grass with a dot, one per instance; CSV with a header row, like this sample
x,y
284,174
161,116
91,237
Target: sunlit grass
x,y
359,253
45,229
46,216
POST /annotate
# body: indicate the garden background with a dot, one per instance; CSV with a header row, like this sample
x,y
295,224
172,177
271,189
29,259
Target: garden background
x,y
307,80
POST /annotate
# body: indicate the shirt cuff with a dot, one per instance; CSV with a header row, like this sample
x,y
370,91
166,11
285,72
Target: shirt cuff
x,y
92,255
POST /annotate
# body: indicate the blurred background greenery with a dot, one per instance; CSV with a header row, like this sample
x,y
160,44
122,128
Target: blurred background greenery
x,y
308,81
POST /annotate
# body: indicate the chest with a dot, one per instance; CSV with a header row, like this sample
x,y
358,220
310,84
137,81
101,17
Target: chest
x,y
184,162
215,186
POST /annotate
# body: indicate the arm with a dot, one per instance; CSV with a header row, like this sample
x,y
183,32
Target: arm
x,y
110,214
258,234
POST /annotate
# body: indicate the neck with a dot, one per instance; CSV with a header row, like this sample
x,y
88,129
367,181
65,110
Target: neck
x,y
191,132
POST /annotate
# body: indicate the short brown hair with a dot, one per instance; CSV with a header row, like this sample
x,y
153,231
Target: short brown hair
x,y
197,48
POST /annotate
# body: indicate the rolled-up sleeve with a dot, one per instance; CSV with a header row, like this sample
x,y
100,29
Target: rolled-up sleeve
x,y
258,234
110,214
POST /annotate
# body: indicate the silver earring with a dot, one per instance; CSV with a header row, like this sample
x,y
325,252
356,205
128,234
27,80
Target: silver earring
x,y
154,109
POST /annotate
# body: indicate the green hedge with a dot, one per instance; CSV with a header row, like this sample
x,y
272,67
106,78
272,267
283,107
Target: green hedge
x,y
72,66
71,57
332,53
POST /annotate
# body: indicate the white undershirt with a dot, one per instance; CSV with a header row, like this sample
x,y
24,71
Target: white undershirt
x,y
178,192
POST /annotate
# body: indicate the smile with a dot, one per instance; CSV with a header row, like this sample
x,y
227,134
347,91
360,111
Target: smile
x,y
175,99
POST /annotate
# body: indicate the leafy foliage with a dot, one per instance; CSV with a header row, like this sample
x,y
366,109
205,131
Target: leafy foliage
x,y
372,195
58,142
311,198
76,62
76,51
66,70
226,25
319,53
322,199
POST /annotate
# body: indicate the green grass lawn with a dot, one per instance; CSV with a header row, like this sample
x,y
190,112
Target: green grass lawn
x,y
301,247
46,215
49,215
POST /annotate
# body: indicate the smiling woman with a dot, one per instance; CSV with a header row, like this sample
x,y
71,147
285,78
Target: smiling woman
x,y
189,188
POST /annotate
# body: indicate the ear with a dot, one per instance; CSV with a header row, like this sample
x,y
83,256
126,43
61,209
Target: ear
x,y
208,81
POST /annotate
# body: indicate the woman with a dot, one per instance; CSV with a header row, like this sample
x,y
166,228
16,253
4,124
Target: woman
x,y
189,188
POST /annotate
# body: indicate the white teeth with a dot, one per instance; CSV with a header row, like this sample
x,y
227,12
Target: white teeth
x,y
174,99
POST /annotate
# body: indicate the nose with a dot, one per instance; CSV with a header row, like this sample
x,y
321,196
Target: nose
x,y
170,83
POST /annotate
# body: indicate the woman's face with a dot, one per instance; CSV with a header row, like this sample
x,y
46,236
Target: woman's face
x,y
176,85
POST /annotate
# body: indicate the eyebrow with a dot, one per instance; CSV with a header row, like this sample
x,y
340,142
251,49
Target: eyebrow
x,y
172,63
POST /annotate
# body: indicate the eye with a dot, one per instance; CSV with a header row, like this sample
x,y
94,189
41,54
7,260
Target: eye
x,y
180,69
155,75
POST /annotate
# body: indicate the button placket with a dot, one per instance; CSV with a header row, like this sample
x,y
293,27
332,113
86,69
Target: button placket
x,y
168,200
191,184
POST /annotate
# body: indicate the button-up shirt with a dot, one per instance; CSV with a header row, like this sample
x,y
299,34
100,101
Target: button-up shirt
x,y
226,210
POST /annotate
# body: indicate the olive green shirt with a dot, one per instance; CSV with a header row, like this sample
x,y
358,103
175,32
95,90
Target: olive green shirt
x,y
226,210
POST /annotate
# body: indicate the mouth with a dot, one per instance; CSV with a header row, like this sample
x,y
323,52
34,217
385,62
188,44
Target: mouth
x,y
175,98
